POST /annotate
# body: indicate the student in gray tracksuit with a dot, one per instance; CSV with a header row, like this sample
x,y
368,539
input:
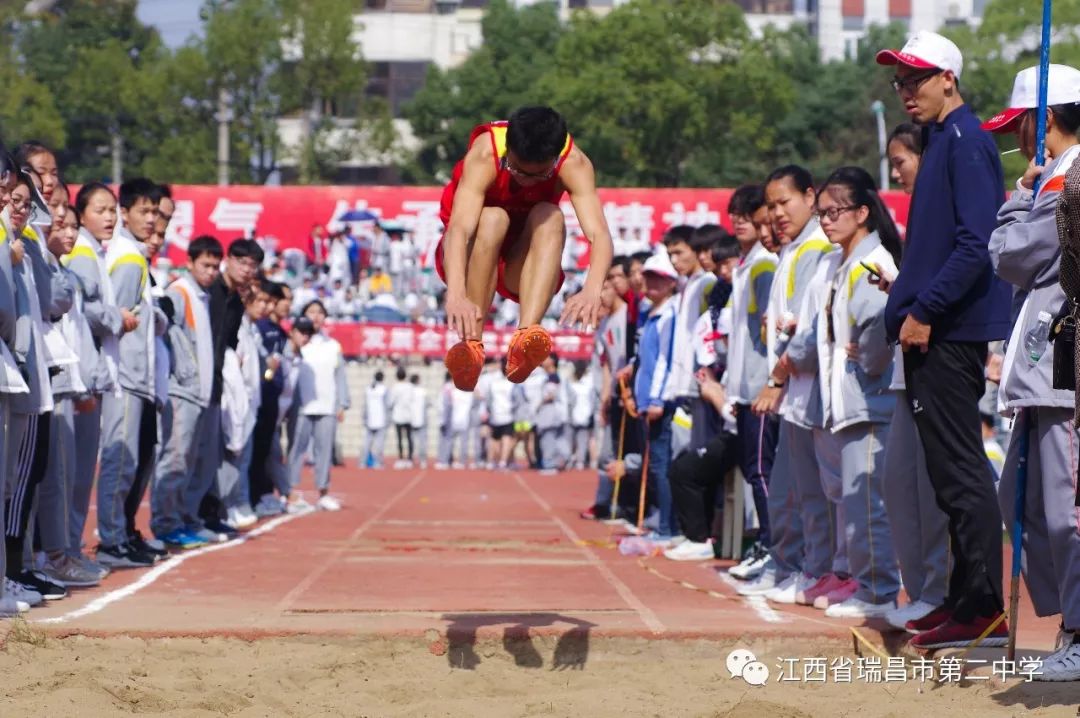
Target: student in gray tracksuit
x,y
798,511
10,388
856,364
27,448
190,382
95,207
1026,253
128,419
70,385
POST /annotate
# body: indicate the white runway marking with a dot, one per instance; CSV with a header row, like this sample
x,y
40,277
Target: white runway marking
x,y
148,578
758,603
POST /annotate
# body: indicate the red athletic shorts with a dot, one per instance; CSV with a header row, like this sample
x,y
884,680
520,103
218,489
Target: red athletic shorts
x,y
513,236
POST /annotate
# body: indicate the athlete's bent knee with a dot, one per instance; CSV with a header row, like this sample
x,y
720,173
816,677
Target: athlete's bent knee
x,y
547,217
493,226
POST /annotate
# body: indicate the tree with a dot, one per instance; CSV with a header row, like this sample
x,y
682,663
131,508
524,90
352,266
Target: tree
x,y
325,66
659,93
499,76
29,109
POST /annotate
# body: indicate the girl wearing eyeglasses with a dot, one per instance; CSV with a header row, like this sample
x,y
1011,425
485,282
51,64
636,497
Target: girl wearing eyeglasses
x,y
11,381
855,370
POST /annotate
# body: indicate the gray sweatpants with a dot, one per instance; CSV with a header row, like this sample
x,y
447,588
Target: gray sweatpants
x,y
582,434
87,447
276,466
375,446
181,432
785,516
870,555
554,449
55,492
320,431
1051,559
232,477
913,511
816,516
451,438
830,466
5,424
121,417
208,457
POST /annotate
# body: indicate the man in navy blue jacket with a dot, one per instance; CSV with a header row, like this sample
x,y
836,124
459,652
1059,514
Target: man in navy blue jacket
x,y
944,307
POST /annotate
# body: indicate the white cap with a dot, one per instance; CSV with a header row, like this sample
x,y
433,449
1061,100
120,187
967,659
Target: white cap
x,y
1063,88
660,264
926,51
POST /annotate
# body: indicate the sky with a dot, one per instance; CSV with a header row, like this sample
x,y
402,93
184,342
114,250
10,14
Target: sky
x,y
176,20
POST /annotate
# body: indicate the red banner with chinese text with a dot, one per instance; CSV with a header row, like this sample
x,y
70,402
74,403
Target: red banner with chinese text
x,y
433,341
286,215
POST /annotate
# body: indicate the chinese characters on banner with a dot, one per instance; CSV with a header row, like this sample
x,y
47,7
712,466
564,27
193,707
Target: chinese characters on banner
x,y
434,340
287,214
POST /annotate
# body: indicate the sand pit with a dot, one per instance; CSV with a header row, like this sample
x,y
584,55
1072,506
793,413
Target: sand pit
x,y
517,676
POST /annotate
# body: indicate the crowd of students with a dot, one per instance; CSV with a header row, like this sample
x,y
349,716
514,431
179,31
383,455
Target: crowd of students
x,y
843,371
110,380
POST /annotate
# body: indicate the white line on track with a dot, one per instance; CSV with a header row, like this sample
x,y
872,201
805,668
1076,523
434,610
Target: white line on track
x,y
758,603
151,576
646,614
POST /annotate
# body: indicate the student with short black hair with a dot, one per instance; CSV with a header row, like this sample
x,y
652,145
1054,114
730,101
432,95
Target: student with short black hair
x,y
190,383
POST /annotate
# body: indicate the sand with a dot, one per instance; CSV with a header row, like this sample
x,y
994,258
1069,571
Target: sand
x,y
425,676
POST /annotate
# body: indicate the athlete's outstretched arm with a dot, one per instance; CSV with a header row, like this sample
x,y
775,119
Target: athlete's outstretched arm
x,y
462,315
578,177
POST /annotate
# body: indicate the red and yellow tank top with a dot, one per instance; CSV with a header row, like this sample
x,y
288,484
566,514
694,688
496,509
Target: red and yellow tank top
x,y
505,191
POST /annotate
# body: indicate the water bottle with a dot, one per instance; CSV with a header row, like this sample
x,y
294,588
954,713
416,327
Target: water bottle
x,y
1035,341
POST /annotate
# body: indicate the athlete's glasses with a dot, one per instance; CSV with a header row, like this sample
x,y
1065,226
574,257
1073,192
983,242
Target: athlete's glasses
x,y
522,174
833,213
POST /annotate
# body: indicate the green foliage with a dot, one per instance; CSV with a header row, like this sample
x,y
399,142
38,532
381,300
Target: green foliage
x,y
501,75
88,70
674,93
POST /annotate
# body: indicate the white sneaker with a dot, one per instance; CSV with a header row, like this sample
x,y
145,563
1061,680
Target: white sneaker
x,y
328,503
11,606
1062,665
789,588
22,593
239,519
751,566
691,551
898,617
765,582
858,609
297,505
440,466
247,514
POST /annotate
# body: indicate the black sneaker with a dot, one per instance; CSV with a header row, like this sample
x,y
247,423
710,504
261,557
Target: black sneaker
x,y
123,556
140,545
220,527
49,591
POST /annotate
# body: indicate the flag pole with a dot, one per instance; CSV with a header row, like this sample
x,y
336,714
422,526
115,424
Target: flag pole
x,y
1020,503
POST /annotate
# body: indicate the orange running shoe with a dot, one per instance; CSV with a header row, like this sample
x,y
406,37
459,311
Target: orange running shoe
x,y
465,361
529,347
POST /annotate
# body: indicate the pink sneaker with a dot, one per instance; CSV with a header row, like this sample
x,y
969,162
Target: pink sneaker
x,y
842,592
825,584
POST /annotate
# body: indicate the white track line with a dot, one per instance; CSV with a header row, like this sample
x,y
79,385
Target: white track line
x,y
305,583
758,603
148,578
646,614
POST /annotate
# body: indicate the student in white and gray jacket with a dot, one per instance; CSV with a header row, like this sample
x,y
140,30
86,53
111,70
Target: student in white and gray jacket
x,y
797,508
322,396
855,371
95,207
376,421
1026,252
190,380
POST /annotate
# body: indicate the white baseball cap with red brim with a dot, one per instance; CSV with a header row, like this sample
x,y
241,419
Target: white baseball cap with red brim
x,y
1063,88
926,51
660,264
